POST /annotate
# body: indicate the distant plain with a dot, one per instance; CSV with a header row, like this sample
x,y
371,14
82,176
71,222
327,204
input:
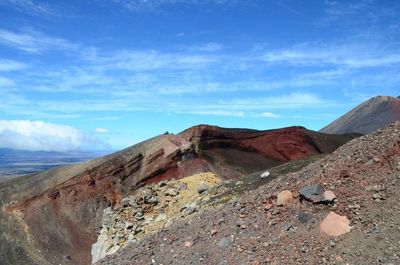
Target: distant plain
x,y
16,163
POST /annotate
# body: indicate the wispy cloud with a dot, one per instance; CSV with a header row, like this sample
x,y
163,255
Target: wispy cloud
x,y
141,5
11,65
207,47
293,100
143,60
6,82
253,107
29,6
214,113
345,8
268,114
101,130
363,15
33,41
132,80
354,55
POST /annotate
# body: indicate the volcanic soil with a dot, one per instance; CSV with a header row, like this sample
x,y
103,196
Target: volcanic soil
x,y
251,228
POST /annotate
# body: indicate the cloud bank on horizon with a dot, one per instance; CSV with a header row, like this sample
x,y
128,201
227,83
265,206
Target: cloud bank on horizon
x,y
42,136
137,68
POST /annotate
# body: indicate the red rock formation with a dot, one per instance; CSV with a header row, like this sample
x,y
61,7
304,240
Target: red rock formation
x,y
234,152
62,215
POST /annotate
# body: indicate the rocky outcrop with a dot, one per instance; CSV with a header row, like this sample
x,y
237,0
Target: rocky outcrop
x,y
148,210
70,200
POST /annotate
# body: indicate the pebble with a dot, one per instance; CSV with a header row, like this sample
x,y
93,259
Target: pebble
x,y
304,217
188,244
203,188
328,196
225,242
313,193
284,197
172,192
335,225
265,174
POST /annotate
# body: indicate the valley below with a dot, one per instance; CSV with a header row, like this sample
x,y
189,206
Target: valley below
x,y
15,163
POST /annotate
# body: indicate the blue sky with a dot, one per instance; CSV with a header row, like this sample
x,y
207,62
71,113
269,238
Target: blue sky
x,y
109,73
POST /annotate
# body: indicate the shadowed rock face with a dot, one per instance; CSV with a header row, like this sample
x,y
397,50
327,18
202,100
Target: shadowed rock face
x,y
373,114
56,214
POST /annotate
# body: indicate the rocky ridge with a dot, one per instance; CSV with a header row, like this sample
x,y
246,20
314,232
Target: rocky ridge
x,y
150,209
360,226
71,199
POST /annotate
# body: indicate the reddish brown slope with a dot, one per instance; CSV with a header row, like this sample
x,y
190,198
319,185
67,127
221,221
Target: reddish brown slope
x,y
373,114
59,211
253,229
234,152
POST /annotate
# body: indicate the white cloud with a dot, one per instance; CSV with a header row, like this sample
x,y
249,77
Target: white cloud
x,y
208,47
39,135
30,6
6,82
33,41
101,130
253,107
141,5
215,113
269,115
107,118
145,60
346,8
293,100
10,65
351,55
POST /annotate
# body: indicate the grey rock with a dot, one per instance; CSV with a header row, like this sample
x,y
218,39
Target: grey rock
x,y
172,192
139,216
152,200
203,188
162,183
161,217
265,175
239,183
129,201
189,208
288,227
313,193
304,217
130,226
225,242
378,196
149,196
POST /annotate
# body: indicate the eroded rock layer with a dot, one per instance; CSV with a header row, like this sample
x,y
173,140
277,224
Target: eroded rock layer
x,y
56,215
359,225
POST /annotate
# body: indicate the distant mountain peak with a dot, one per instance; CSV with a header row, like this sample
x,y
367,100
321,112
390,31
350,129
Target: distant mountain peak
x,y
371,115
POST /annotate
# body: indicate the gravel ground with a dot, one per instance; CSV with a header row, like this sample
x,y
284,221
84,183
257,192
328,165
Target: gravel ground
x,y
364,174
